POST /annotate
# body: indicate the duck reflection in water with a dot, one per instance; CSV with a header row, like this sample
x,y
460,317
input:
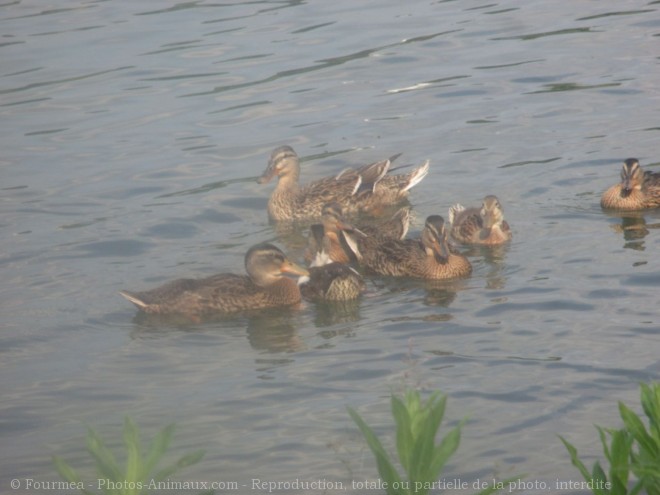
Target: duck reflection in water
x,y
635,226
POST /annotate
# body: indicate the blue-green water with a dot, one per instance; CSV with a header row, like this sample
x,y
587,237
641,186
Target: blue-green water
x,y
132,133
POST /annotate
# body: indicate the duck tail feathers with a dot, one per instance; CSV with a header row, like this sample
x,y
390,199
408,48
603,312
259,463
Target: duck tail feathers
x,y
417,175
454,211
133,298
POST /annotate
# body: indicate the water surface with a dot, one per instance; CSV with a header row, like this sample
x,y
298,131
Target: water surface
x,y
132,133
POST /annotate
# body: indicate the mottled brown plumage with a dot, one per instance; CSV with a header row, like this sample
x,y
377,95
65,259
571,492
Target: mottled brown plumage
x,y
328,237
395,227
332,282
637,190
264,287
364,189
485,225
339,241
328,280
429,257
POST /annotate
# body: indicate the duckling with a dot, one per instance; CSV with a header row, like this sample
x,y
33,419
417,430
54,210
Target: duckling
x,y
263,287
636,191
356,190
328,280
429,257
485,225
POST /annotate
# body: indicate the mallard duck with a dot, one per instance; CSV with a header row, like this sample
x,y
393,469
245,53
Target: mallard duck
x,y
485,225
263,287
429,257
328,239
328,280
364,189
636,191
339,241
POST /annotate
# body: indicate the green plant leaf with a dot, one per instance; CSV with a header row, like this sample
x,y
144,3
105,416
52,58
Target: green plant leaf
x,y
599,478
185,461
575,460
650,398
137,467
620,455
448,445
603,440
133,471
430,417
158,447
404,437
106,464
442,452
638,430
68,473
387,471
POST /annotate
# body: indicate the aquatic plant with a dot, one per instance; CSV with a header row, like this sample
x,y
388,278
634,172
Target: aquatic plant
x,y
139,475
632,450
419,455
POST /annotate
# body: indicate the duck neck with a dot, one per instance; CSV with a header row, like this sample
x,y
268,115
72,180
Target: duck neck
x,y
289,179
282,201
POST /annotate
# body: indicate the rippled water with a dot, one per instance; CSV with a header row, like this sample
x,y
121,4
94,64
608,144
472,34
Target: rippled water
x,y
132,133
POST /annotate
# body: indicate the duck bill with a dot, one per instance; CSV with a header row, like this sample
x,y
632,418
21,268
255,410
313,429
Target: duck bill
x,y
292,268
266,176
441,249
627,185
489,221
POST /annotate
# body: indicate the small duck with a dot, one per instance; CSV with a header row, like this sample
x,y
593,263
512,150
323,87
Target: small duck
x,y
263,287
335,240
429,257
636,191
365,189
485,225
329,280
339,241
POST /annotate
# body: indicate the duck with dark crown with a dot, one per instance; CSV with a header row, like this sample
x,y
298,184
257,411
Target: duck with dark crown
x,y
429,257
637,190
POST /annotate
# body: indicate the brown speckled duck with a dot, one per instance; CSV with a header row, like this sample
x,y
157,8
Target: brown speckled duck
x,y
364,189
339,241
263,287
328,280
332,241
485,225
429,257
637,190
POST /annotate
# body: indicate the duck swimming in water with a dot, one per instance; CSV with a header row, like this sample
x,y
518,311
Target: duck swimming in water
x,y
485,225
637,190
265,286
365,189
333,238
429,257
328,280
